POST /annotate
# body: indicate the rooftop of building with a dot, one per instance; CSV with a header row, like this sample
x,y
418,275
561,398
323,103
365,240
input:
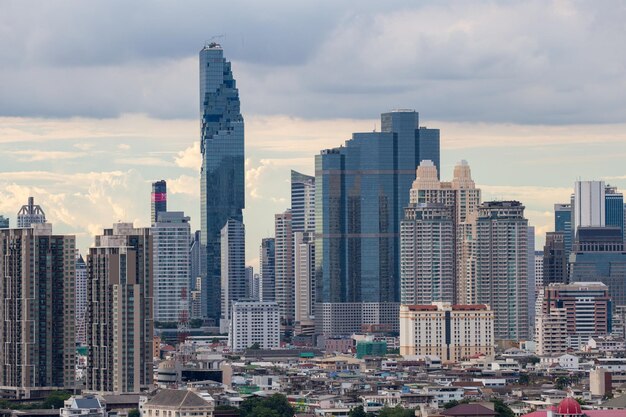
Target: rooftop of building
x,y
177,399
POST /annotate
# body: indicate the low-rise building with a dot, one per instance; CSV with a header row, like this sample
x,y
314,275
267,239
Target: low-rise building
x,y
254,323
178,403
84,406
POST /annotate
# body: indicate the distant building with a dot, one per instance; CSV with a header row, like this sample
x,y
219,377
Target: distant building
x,y
304,270
284,271
563,223
588,209
81,299
538,270
158,201
197,254
451,332
501,251
30,214
250,291
267,260
120,310
4,222
178,403
37,273
171,234
614,208
254,322
234,285
555,259
551,332
587,308
345,319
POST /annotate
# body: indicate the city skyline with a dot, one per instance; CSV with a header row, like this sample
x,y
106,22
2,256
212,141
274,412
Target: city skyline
x,y
100,151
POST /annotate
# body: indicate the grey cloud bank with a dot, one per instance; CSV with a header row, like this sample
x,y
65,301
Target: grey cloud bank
x,y
540,62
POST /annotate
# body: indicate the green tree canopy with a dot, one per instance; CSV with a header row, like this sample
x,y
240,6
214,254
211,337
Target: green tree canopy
x,y
273,406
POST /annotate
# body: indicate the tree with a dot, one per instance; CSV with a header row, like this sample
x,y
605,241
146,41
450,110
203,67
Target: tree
x,y
562,382
56,399
396,411
255,346
274,406
523,379
502,409
357,412
134,413
450,404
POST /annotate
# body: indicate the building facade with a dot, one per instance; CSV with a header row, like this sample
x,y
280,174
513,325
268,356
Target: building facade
x,y
345,319
81,299
4,222
551,332
284,270
302,202
120,310
171,235
222,174
555,259
451,332
267,260
304,270
501,266
563,223
37,306
234,286
254,323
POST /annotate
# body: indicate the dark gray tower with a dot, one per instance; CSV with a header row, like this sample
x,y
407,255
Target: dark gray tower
x,y
222,176
158,200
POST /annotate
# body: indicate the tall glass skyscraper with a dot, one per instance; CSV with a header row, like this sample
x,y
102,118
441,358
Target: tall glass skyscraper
x,y
158,200
563,224
614,208
362,189
222,175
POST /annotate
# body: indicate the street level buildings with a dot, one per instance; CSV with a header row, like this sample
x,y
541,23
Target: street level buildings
x,y
448,331
222,189
120,310
37,305
172,276
254,323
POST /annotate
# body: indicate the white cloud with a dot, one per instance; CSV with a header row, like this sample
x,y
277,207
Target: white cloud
x,y
184,184
190,157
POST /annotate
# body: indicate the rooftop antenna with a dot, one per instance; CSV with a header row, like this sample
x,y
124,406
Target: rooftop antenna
x,y
212,40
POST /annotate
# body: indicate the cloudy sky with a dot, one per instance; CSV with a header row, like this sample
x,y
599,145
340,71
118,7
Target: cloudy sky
x,y
99,98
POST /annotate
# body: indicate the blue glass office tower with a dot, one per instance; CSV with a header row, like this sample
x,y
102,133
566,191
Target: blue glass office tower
x,y
563,223
222,174
362,189
614,208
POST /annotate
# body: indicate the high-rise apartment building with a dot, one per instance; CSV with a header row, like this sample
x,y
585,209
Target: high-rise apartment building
x,y
250,284
4,222
501,266
555,262
285,279
254,323
302,202
588,208
531,279
120,327
171,235
598,256
461,197
197,254
450,332
222,174
37,305
81,299
267,261
427,250
304,270
551,332
361,191
30,214
538,271
587,308
345,319
158,201
234,284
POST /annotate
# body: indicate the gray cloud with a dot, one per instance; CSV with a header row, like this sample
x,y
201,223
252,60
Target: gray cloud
x,y
557,62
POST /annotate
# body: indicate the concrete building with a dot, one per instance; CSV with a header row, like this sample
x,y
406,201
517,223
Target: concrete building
x,y
267,260
427,243
285,280
587,307
345,319
197,254
501,266
563,223
538,271
462,198
30,214
304,269
302,202
171,235
81,299
178,403
588,209
120,310
451,332
234,286
551,332
37,311
555,259
254,322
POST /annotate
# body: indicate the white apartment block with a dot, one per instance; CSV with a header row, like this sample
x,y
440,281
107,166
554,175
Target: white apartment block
x,y
254,322
171,236
450,332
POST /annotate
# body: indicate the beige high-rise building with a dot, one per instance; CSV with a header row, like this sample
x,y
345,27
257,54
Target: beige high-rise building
x,y
451,332
304,265
37,311
284,268
120,310
461,197
551,332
